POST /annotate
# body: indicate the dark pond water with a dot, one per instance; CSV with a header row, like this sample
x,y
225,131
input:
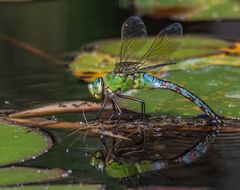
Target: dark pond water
x,y
27,80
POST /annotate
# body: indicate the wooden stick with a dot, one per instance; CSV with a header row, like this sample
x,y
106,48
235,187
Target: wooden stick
x,y
62,107
128,127
44,123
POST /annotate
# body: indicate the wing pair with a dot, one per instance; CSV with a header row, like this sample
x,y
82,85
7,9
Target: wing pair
x,y
139,54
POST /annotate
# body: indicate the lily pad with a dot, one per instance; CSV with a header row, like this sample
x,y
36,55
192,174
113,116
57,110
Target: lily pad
x,y
217,86
204,44
18,143
57,187
187,9
89,65
26,175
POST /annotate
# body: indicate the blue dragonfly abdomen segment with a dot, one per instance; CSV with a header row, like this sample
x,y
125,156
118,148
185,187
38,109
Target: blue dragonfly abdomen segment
x,y
202,146
153,82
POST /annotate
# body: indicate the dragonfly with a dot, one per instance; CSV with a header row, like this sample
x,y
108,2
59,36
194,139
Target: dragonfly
x,y
135,70
123,167
119,166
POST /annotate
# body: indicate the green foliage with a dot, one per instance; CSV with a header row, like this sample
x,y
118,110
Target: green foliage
x,y
18,144
217,86
89,65
189,10
23,175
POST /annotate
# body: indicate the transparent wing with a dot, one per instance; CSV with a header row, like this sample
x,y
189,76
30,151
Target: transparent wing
x,y
161,49
133,36
154,54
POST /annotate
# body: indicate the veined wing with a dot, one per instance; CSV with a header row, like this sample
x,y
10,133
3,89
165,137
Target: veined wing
x,y
133,36
161,49
154,55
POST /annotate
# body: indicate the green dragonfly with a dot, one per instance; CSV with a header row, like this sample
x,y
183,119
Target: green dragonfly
x,y
135,71
123,167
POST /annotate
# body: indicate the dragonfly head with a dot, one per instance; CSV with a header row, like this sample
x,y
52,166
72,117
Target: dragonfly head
x,y
96,88
97,160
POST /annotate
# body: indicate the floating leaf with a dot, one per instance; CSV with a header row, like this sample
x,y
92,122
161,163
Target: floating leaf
x,y
192,46
18,144
198,63
89,65
187,9
217,86
221,93
25,175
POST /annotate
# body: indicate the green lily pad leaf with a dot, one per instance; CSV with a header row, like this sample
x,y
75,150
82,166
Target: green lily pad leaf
x,y
26,175
18,143
89,65
217,86
192,46
57,187
187,9
198,63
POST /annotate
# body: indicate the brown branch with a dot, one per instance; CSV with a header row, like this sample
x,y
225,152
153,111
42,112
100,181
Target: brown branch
x,y
94,128
127,126
63,107
159,124
30,48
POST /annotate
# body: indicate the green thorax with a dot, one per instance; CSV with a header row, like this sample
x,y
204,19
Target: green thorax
x,y
121,82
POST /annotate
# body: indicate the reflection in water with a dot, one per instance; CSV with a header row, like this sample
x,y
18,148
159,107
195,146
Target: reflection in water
x,y
116,166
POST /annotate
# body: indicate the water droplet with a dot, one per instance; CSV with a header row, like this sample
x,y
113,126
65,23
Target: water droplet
x,y
231,105
67,150
38,171
6,102
34,157
53,118
69,171
64,174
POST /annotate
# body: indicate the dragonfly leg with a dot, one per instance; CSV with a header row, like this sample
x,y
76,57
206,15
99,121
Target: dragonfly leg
x,y
143,105
114,111
143,112
102,108
102,139
119,111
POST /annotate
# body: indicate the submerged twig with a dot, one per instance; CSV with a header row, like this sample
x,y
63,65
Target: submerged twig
x,y
30,48
44,123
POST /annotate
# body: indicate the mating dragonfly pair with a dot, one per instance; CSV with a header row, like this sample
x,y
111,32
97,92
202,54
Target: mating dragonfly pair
x,y
133,71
